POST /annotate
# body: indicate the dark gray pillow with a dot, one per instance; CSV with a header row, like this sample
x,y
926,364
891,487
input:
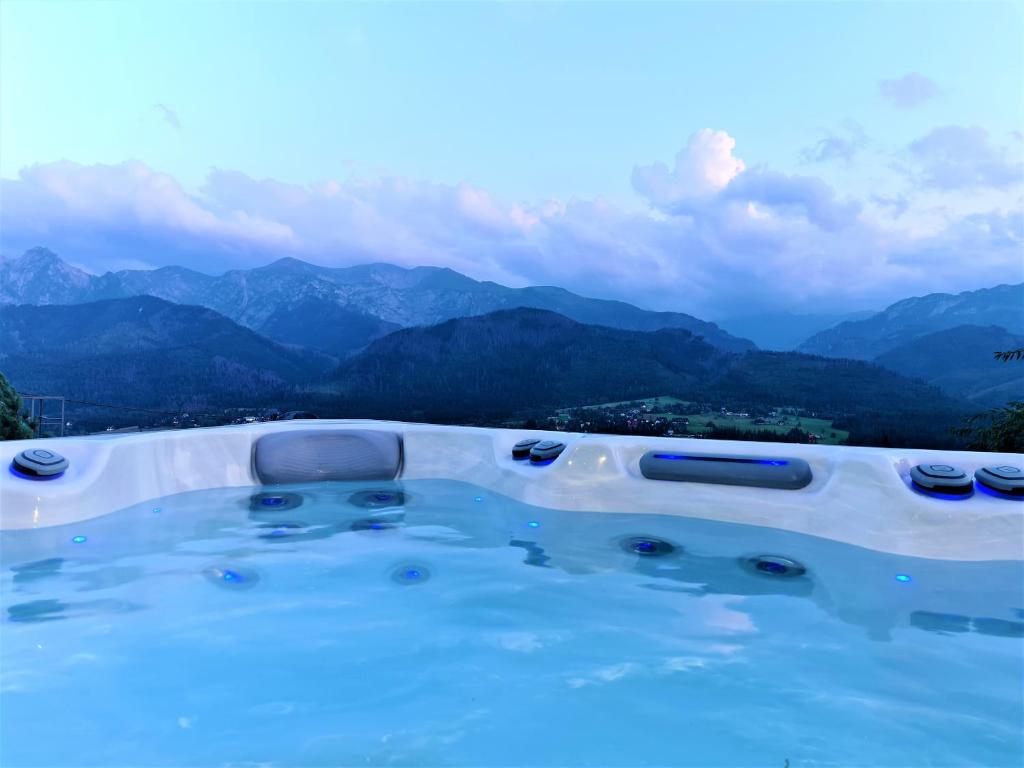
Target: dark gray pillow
x,y
309,455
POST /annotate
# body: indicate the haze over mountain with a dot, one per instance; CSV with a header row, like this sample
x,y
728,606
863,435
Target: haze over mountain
x,y
907,320
785,331
146,352
377,297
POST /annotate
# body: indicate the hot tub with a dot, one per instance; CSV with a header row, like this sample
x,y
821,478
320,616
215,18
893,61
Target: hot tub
x,y
344,592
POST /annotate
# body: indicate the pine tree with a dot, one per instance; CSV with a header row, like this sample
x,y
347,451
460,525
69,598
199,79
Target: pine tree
x,y
13,425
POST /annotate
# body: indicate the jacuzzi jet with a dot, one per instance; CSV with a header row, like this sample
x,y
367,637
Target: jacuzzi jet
x,y
280,530
274,502
377,499
231,577
773,565
648,547
375,524
410,574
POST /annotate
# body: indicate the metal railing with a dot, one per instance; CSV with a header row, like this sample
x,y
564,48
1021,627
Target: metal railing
x,y
47,423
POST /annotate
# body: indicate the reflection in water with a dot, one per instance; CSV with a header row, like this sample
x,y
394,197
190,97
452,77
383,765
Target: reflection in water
x,y
36,570
53,610
998,627
37,610
446,599
380,523
534,554
711,575
872,590
940,622
377,498
271,502
955,623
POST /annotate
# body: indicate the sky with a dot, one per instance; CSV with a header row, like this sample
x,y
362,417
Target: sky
x,y
717,159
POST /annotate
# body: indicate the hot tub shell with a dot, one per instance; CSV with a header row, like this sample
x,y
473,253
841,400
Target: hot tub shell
x,y
859,496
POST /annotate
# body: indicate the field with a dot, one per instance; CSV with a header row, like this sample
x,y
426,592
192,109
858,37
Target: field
x,y
673,408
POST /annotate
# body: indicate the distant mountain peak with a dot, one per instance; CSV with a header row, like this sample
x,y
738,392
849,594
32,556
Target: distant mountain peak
x,y
376,296
289,264
39,276
40,258
39,254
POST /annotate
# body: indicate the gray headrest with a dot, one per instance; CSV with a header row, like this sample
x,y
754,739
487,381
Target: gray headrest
x,y
303,456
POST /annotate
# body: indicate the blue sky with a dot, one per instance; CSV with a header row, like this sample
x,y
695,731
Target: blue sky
x,y
500,138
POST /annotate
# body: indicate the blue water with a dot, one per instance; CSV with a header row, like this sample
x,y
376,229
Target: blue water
x,y
348,625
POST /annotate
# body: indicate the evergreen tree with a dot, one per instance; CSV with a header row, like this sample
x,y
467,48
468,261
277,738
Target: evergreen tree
x,y
13,425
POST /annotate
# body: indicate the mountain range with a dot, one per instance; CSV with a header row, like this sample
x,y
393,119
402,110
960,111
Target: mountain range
x,y
155,354
429,343
903,322
376,298
948,340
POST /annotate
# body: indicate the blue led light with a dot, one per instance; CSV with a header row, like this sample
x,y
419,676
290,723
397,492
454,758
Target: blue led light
x,y
902,578
533,524
236,577
156,510
79,539
938,495
730,459
411,573
25,476
998,494
478,499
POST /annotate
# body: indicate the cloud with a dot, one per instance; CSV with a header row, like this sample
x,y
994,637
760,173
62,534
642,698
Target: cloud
x,y
910,91
705,166
836,146
803,196
719,237
707,176
168,115
962,157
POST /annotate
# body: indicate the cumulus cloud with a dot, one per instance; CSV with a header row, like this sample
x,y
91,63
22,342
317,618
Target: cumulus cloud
x,y
704,167
964,157
911,90
719,237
